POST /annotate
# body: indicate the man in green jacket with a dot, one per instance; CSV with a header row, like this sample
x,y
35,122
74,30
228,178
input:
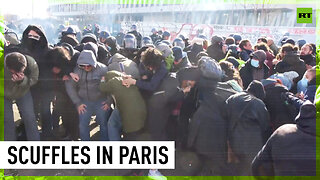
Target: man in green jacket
x,y
20,73
130,112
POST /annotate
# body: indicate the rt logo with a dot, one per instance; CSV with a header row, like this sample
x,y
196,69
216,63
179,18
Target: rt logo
x,y
304,15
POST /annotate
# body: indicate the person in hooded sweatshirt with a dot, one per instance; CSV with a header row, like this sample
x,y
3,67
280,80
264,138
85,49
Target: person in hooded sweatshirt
x,y
248,125
208,128
61,58
255,68
291,149
280,112
87,97
35,44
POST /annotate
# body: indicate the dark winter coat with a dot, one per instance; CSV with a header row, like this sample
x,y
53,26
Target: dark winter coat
x,y
160,105
215,52
192,54
292,62
183,64
245,55
280,112
248,128
38,50
16,90
246,73
311,90
87,88
129,101
208,127
291,149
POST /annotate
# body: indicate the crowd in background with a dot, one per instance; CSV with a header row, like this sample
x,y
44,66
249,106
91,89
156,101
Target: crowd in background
x,y
240,107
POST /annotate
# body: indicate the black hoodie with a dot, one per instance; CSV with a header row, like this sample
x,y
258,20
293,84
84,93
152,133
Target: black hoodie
x,y
291,149
38,50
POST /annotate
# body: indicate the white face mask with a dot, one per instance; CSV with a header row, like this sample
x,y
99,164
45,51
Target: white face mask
x,y
254,63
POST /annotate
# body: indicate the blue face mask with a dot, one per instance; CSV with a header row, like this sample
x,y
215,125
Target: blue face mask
x,y
108,48
254,63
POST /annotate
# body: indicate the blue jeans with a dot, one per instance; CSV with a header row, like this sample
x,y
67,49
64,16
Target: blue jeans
x,y
25,107
93,107
114,126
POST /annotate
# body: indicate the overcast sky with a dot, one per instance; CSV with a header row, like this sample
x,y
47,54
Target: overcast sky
x,y
24,9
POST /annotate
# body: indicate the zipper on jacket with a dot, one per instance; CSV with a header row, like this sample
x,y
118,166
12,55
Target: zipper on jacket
x,y
87,86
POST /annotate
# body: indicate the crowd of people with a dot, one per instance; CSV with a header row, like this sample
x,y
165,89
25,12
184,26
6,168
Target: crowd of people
x,y
240,107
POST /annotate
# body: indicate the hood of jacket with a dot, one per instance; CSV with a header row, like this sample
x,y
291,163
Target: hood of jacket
x,y
117,58
43,42
306,119
87,57
111,74
91,46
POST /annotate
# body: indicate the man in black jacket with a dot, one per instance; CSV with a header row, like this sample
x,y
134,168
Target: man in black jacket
x,y
255,68
291,149
35,44
248,125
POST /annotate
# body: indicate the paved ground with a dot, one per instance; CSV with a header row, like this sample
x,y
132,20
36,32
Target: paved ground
x,y
94,133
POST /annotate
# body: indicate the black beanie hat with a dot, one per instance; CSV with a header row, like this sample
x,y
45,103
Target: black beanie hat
x,y
189,73
256,88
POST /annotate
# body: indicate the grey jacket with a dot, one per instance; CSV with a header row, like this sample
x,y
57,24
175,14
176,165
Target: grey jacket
x,y
87,88
130,67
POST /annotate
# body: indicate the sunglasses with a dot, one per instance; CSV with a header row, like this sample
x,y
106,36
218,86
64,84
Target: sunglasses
x,y
36,37
84,66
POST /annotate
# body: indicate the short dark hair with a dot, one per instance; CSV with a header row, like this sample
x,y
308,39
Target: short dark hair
x,y
59,56
243,43
230,40
152,58
15,61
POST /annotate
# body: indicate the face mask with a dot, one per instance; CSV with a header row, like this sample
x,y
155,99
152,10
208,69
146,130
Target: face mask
x,y
254,63
109,48
32,44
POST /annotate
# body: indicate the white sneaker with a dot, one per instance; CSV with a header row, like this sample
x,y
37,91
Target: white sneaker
x,y
156,175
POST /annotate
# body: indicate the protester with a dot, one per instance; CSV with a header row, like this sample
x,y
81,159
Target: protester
x,y
291,149
20,73
248,125
255,68
87,97
246,49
